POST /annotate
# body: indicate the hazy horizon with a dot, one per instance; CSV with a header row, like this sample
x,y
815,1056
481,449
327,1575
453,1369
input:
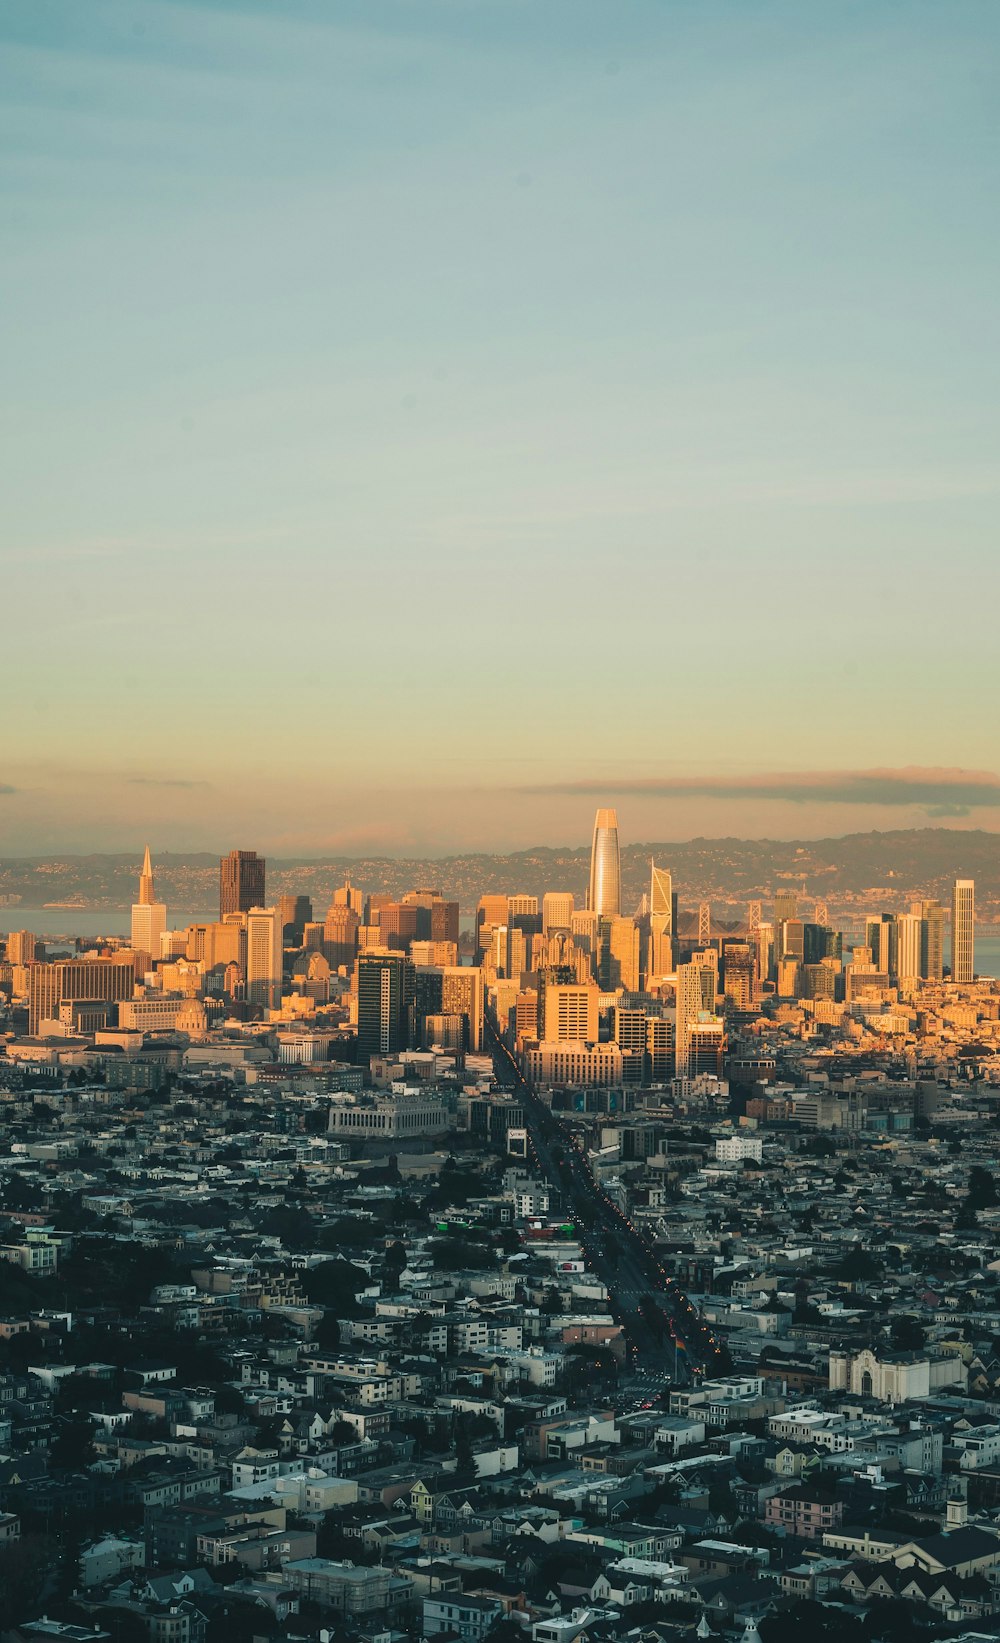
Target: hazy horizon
x,y
164,853
422,421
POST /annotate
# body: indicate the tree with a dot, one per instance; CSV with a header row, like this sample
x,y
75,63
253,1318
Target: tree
x,y
906,1333
332,1542
452,1255
25,1571
455,1186
328,1331
585,1366
394,1260
228,1400
346,1232
753,1534
464,1453
293,1226
808,1618
267,1433
722,1501
18,1292
857,1266
982,1192
336,1284
505,1631
238,1619
72,1448
20,1194
891,1621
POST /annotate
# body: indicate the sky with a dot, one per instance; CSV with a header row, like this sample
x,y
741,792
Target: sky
x,y
423,420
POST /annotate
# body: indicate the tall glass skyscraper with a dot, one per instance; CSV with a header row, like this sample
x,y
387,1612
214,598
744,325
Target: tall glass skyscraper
x,y
264,957
385,994
963,930
605,867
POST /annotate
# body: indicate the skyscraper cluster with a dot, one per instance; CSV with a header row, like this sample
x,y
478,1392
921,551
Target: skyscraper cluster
x,y
596,995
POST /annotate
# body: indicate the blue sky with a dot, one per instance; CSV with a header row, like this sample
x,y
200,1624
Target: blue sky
x,y
406,407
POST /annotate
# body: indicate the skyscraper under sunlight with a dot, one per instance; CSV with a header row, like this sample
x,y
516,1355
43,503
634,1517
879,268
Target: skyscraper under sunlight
x,y
963,930
149,916
605,897
241,882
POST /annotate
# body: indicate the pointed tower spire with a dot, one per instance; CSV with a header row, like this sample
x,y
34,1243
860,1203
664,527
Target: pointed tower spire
x,y
146,894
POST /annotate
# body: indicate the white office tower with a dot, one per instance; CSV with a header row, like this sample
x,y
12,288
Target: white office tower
x,y
765,950
509,951
149,916
557,911
605,897
909,931
264,956
690,1004
963,930
661,921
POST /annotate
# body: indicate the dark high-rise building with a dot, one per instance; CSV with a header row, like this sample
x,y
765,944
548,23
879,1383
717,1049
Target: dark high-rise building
x,y
444,921
340,934
931,940
385,994
241,882
820,942
399,923
881,938
523,915
296,913
437,919
786,906
449,990
739,973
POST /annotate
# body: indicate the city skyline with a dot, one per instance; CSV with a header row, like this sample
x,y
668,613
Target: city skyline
x,y
499,821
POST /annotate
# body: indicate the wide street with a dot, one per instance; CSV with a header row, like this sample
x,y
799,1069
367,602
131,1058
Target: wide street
x,y
642,1294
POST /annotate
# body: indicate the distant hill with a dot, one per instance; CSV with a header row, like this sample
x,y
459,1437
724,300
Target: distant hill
x,y
850,873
